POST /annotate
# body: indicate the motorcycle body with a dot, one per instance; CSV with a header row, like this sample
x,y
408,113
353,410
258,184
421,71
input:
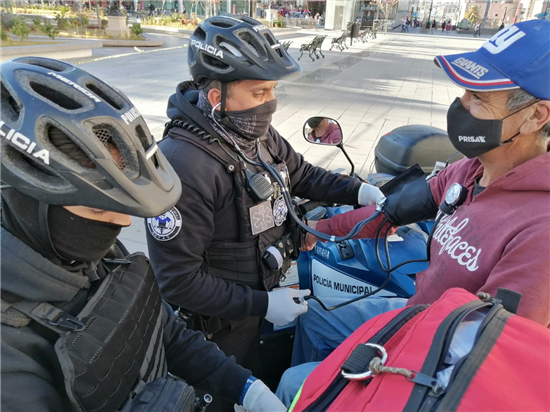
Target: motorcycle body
x,y
350,268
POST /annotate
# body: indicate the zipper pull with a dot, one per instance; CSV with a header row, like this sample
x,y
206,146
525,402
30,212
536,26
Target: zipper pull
x,y
428,381
485,297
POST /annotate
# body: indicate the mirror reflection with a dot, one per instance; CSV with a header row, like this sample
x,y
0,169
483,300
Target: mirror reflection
x,y
322,130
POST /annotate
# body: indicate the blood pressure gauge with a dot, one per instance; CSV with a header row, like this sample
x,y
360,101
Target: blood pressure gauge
x,y
455,196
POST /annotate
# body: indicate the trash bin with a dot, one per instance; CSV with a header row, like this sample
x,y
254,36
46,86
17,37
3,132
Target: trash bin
x,y
355,30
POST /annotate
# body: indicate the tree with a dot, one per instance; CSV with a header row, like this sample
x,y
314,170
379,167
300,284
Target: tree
x,y
20,28
473,14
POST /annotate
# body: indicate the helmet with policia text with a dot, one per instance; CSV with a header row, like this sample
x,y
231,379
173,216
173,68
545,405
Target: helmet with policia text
x,y
68,138
233,47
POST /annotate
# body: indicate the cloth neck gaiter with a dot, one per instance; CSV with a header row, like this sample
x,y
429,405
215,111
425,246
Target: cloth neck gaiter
x,y
253,123
80,239
232,134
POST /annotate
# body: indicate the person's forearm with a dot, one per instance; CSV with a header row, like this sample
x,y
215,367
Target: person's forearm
x,y
341,225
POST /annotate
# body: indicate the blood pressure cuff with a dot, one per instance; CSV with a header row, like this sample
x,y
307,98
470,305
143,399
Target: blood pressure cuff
x,y
409,198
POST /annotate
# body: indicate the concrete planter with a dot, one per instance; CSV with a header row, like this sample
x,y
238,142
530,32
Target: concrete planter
x,y
61,51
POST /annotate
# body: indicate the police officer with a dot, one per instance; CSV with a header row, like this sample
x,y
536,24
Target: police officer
x,y
230,241
83,324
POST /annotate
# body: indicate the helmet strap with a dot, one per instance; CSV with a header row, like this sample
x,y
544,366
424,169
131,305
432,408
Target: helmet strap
x,y
222,100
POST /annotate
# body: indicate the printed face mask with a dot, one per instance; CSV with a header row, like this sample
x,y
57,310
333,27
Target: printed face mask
x,y
472,136
251,123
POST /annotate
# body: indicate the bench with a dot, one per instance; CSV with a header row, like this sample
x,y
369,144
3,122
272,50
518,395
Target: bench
x,y
313,47
367,33
340,42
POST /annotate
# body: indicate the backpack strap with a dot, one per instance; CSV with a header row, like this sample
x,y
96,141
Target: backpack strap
x,y
19,312
509,299
9,315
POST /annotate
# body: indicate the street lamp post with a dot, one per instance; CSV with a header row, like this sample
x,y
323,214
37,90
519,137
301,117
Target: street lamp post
x,y
429,15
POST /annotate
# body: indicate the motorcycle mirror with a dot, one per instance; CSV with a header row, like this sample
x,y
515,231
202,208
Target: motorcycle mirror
x,y
327,132
322,130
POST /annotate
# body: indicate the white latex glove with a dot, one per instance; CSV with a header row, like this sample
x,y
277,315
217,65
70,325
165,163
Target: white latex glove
x,y
259,398
282,309
369,195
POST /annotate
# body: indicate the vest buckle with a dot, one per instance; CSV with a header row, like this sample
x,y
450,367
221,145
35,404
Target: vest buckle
x,y
68,322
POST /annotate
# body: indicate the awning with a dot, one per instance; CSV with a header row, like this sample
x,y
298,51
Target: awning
x,y
542,15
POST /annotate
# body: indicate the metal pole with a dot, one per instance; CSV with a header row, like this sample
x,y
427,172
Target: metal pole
x,y
229,7
486,14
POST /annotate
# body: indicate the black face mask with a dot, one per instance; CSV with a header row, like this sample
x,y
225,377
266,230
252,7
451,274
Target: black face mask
x,y
251,123
472,136
80,239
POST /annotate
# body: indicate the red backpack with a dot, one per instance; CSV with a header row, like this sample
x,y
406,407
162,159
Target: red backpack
x,y
391,362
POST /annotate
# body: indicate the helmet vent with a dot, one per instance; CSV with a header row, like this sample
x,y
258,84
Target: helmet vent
x,y
49,64
105,136
145,142
67,146
9,106
200,33
269,38
105,95
216,63
230,48
54,96
252,43
222,24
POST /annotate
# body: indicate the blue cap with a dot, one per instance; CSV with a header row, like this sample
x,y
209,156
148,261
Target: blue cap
x,y
517,56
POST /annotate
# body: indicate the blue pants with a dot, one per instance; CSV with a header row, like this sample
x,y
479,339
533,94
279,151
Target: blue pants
x,y
319,332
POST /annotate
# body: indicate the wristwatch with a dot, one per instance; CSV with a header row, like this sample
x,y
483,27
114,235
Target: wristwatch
x,y
455,196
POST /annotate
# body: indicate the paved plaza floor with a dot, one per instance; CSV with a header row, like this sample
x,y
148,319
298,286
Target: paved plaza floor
x,y
370,88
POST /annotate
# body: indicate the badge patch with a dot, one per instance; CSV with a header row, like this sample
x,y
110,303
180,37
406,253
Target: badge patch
x,y
279,211
166,226
261,217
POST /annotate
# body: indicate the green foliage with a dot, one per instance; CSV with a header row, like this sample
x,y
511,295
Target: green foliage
x,y
64,10
279,22
3,35
136,29
20,28
49,30
84,20
473,15
61,22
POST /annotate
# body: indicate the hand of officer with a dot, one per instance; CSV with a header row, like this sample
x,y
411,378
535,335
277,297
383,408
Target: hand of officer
x,y
369,195
281,307
310,240
259,398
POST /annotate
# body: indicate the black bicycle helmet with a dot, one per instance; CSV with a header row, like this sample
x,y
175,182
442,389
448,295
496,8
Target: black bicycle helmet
x,y
59,127
234,47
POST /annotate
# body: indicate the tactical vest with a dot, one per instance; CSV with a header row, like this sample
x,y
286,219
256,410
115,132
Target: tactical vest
x,y
114,346
243,262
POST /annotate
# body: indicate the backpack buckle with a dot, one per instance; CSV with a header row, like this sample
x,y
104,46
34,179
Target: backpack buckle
x,y
356,367
68,322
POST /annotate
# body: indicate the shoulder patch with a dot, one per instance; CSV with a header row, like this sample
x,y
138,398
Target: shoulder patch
x,y
166,226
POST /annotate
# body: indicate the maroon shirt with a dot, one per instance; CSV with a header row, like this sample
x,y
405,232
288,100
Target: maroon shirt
x,y
498,239
332,135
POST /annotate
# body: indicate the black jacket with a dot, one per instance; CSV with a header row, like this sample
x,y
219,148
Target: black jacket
x,y
31,375
209,217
